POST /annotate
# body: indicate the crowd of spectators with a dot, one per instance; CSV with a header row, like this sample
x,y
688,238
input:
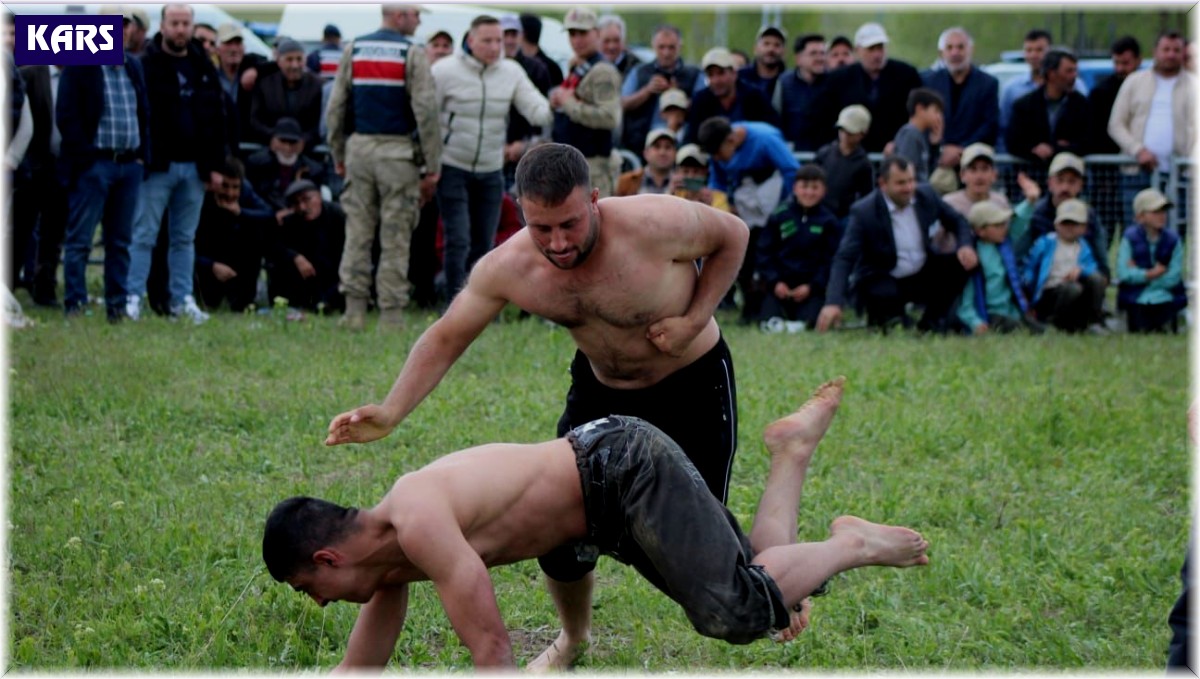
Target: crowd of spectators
x,y
375,172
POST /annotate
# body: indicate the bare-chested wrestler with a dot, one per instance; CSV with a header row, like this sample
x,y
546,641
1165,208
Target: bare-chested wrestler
x,y
617,485
620,275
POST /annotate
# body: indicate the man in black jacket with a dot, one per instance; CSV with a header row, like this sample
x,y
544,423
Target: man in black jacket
x,y
290,92
39,196
273,169
875,81
104,118
304,252
888,250
1054,117
188,137
726,97
229,240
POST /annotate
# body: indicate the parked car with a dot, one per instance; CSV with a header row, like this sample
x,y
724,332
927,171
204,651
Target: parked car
x,y
208,14
1091,71
305,23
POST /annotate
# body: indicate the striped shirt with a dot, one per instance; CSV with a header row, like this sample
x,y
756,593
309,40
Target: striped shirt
x,y
118,130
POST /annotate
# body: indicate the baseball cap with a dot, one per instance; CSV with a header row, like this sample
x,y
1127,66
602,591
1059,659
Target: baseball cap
x,y
975,152
510,22
579,19
1149,200
331,31
287,128
869,35
717,56
660,133
1066,161
854,119
691,152
440,31
289,45
228,31
1072,210
138,15
985,212
771,30
297,187
673,97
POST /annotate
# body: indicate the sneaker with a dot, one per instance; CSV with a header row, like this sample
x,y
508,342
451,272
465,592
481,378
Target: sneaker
x,y
773,325
189,310
133,308
1098,329
794,327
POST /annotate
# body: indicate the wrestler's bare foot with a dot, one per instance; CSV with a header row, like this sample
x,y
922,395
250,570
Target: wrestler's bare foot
x,y
879,545
559,656
799,623
798,434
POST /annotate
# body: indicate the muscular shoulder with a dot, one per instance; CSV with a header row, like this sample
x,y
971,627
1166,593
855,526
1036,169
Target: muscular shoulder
x,y
494,273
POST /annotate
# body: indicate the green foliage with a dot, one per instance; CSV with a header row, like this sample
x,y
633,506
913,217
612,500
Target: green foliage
x,y
1050,475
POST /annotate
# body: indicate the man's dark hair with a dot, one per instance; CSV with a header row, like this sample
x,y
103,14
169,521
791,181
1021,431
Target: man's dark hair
x,y
668,28
203,25
712,134
531,28
550,173
298,527
1054,58
232,168
841,40
1125,44
924,97
1038,34
889,162
484,20
741,53
1169,35
810,172
802,41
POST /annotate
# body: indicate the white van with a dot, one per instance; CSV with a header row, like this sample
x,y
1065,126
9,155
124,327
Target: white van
x,y
205,14
305,23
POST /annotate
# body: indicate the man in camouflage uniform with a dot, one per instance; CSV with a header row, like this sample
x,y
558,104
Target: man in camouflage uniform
x,y
587,106
383,134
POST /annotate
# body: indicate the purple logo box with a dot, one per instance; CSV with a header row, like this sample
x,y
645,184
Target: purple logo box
x,y
69,40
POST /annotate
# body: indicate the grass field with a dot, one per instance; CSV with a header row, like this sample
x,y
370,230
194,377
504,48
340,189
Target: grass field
x,y
1050,475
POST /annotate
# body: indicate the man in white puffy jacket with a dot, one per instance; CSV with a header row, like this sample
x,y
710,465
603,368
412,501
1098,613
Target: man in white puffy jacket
x,y
474,92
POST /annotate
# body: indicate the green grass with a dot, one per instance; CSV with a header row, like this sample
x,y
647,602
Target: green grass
x,y
1050,475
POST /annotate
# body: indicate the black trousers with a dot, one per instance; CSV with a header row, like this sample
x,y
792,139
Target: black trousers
x,y
1073,305
936,286
239,290
39,214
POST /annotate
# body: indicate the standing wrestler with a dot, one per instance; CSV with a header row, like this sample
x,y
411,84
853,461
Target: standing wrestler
x,y
620,275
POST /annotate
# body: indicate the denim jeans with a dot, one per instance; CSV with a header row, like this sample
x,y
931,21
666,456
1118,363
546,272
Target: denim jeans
x,y
470,206
106,192
180,193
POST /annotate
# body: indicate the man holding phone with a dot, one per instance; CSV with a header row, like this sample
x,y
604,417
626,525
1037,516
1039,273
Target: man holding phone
x,y
655,175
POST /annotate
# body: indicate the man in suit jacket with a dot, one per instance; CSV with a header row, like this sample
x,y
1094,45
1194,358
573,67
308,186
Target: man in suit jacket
x,y
291,92
1054,117
971,96
875,81
896,254
39,196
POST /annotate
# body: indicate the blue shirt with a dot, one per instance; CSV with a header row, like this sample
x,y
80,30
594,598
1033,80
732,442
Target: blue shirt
x,y
118,130
763,148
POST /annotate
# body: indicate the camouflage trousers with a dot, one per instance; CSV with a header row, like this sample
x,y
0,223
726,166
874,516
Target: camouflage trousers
x,y
382,189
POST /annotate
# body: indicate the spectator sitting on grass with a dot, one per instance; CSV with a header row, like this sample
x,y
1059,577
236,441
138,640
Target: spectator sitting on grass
x,y
795,253
655,175
1064,183
690,179
1063,276
234,222
848,173
993,300
306,250
273,169
1150,266
918,140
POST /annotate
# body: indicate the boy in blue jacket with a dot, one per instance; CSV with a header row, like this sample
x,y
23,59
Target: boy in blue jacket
x,y
1062,273
795,254
1150,267
993,299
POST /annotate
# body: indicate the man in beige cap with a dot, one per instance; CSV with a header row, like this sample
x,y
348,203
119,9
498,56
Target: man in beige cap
x,y
1065,182
587,106
655,175
135,37
385,139
1150,267
993,299
876,81
848,173
690,179
1063,273
725,97
978,174
672,108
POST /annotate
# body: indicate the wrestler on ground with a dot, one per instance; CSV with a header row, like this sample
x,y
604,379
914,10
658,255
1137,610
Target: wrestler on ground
x,y
618,486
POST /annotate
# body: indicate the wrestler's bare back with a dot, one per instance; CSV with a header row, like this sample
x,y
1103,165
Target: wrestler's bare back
x,y
638,273
511,506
